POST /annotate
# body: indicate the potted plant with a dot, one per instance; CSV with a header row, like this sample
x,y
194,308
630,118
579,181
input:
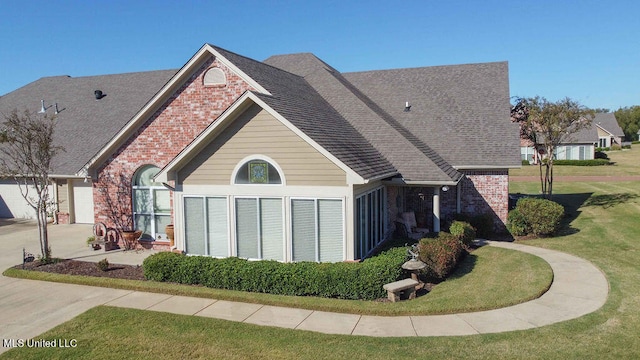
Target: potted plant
x,y
169,231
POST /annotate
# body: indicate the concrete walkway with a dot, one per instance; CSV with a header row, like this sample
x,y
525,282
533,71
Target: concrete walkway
x,y
29,307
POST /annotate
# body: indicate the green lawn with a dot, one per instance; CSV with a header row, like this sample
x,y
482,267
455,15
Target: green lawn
x,y
603,226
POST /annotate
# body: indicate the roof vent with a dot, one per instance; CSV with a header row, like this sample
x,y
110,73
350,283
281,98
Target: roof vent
x,y
42,108
407,107
99,94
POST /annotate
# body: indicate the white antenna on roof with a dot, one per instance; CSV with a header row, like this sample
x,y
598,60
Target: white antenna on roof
x,y
42,109
57,111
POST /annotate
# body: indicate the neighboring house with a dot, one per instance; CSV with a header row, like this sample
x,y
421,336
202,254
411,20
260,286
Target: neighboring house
x,y
604,132
609,132
580,146
287,159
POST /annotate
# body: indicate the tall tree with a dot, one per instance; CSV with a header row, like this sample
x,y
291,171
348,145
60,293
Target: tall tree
x,y
629,120
27,149
547,125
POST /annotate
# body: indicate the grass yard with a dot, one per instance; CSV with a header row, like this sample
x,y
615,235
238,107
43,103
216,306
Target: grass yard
x,y
603,226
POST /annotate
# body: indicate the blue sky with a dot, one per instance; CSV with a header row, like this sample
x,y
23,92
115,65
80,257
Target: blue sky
x,y
586,50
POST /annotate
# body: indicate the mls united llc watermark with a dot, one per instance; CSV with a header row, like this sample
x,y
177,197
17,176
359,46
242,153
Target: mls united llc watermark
x,y
39,343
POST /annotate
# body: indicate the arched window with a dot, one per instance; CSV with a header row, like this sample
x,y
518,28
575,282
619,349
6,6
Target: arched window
x,y
151,204
257,171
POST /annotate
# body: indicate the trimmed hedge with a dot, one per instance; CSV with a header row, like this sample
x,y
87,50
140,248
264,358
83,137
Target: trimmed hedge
x,y
332,280
594,162
440,254
540,217
463,231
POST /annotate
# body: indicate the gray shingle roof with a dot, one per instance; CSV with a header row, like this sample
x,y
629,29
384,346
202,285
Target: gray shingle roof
x,y
608,122
460,111
459,115
293,97
84,124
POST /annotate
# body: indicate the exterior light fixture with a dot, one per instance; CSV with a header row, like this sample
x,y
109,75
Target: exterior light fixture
x,y
445,188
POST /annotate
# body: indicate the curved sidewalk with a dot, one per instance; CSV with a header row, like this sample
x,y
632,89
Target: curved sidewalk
x,y
578,288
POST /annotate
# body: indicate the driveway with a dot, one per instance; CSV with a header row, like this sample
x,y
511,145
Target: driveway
x,y
29,307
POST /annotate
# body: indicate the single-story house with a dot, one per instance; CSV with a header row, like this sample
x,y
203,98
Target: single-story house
x,y
609,132
286,159
581,145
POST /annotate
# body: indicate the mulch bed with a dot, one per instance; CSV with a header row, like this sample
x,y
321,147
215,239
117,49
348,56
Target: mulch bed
x,y
75,267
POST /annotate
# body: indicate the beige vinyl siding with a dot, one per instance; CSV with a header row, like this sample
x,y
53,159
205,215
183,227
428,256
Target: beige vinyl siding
x,y
63,195
257,132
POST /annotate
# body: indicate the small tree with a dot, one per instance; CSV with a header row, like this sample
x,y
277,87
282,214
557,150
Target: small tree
x,y
548,124
27,149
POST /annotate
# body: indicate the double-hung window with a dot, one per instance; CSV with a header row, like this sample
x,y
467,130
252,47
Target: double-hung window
x,y
206,226
317,230
259,228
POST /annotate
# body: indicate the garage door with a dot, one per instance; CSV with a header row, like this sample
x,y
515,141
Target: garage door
x,y
12,204
83,201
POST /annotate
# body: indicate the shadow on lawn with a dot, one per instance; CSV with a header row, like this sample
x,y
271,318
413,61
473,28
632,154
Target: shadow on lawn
x,y
572,203
610,200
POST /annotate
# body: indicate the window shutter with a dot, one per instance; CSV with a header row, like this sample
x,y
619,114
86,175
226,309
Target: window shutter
x,y
330,230
271,229
303,219
217,223
247,228
194,225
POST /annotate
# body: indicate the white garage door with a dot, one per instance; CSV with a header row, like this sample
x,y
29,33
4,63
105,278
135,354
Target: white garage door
x,y
12,204
83,201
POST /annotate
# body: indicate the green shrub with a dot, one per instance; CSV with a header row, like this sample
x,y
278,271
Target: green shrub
x,y
464,231
616,147
440,254
516,223
601,155
334,280
594,162
103,264
602,149
540,215
526,162
161,266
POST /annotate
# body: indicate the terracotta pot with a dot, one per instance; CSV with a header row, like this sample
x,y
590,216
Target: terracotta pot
x,y
130,238
169,231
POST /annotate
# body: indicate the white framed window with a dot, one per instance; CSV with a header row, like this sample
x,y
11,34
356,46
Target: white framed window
x,y
260,228
257,170
151,204
371,222
317,229
206,226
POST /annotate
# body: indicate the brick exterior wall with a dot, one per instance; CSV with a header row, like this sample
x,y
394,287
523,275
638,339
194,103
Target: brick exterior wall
x,y
173,126
486,192
62,218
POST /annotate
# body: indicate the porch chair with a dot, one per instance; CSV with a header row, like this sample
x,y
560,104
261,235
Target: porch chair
x,y
409,227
